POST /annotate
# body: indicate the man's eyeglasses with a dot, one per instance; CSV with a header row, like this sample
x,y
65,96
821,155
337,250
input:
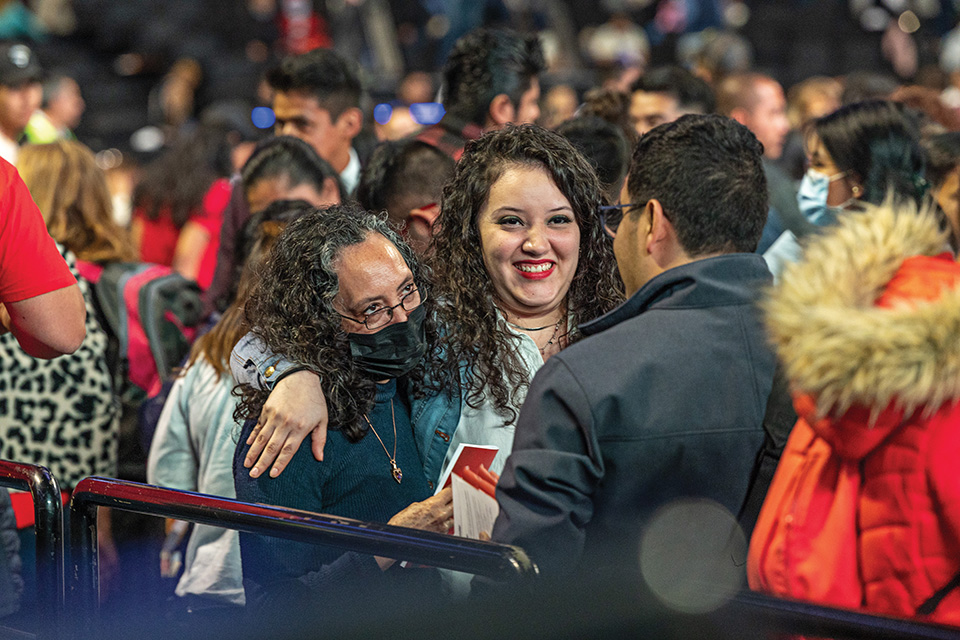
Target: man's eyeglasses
x,y
611,216
383,316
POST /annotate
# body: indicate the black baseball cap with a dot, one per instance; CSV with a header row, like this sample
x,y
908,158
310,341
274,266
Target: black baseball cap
x,y
18,64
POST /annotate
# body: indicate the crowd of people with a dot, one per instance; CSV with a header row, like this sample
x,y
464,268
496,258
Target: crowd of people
x,y
648,304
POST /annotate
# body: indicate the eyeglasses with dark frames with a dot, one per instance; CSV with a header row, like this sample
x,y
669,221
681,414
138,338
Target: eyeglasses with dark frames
x,y
383,316
611,215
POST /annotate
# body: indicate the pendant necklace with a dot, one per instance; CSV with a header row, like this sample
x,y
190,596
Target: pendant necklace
x,y
556,330
553,337
394,469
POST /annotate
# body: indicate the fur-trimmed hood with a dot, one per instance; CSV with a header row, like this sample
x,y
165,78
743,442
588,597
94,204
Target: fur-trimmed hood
x,y
841,349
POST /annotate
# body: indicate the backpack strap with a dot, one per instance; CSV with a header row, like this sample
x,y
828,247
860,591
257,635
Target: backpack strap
x,y
90,271
930,604
778,421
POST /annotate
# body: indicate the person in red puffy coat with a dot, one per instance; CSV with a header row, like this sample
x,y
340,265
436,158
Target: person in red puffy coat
x,y
864,509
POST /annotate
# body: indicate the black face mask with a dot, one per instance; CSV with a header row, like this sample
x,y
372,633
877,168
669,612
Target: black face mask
x,y
394,350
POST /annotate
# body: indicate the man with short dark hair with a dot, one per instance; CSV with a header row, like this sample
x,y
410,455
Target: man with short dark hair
x,y
317,99
664,94
20,95
664,398
491,78
405,179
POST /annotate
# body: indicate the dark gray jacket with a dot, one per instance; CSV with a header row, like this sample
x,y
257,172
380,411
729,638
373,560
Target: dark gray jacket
x,y
663,401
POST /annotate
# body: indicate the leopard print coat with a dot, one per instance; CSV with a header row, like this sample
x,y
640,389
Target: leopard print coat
x,y
60,413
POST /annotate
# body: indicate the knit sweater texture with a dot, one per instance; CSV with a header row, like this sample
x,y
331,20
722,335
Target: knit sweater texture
x,y
354,481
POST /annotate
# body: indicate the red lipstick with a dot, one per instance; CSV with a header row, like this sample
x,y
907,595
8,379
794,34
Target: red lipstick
x,y
535,269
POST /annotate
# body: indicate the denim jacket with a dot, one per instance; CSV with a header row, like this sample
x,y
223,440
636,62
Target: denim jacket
x,y
434,417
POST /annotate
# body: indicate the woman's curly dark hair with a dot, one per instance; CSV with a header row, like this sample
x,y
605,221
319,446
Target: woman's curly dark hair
x,y
473,337
291,310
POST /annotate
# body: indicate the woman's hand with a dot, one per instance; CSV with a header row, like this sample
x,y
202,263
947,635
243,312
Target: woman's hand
x,y
433,514
296,407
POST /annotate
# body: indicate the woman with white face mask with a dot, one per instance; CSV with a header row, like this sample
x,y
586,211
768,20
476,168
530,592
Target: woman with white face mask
x,y
856,154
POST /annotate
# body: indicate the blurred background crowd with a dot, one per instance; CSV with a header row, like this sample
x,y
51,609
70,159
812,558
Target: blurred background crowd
x,y
166,63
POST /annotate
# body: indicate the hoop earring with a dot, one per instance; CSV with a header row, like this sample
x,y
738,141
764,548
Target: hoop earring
x,y
856,190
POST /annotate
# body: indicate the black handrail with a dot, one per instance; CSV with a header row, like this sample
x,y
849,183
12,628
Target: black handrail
x,y
500,562
48,516
808,619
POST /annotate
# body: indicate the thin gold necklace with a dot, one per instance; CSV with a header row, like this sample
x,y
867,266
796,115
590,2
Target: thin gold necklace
x,y
394,469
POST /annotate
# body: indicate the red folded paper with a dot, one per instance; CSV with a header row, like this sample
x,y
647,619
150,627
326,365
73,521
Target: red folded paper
x,y
473,455
475,481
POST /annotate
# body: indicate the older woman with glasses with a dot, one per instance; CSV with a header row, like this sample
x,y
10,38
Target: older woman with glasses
x,y
358,314
520,260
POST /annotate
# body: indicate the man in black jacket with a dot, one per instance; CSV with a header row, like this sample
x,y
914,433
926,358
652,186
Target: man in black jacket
x,y
664,399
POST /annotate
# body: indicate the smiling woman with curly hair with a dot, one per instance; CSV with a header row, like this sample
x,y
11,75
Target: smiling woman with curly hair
x,y
520,262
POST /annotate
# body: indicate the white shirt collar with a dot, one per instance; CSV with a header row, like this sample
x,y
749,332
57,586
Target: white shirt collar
x,y
350,176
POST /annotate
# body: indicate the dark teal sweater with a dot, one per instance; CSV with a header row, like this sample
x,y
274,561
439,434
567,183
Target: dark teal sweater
x,y
354,480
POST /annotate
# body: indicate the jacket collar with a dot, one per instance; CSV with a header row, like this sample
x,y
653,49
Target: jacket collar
x,y
461,127
730,279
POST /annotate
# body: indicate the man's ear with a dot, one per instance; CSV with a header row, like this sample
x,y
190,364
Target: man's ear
x,y
350,122
661,237
425,216
501,111
741,115
331,192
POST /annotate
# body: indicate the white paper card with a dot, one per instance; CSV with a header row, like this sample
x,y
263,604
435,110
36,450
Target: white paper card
x,y
473,510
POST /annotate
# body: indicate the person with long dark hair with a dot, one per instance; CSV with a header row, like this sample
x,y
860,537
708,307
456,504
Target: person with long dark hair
x,y
179,203
522,262
343,294
857,154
